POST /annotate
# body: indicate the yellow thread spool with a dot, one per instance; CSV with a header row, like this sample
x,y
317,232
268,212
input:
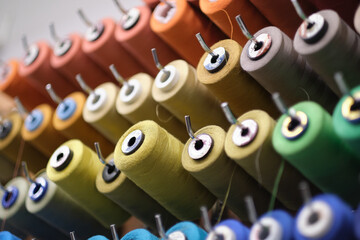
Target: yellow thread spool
x,y
76,127
154,164
182,94
9,146
207,162
100,112
258,157
141,106
45,137
58,209
77,167
133,199
232,84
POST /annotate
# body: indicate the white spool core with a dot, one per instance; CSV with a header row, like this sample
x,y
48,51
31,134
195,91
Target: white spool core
x,y
163,13
319,228
167,83
96,100
31,54
62,47
177,235
275,229
131,92
130,19
223,231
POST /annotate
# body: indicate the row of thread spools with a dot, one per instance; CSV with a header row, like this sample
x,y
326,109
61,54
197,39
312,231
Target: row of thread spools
x,y
297,125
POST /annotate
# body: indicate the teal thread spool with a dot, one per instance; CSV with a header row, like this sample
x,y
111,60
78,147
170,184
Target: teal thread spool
x,y
317,152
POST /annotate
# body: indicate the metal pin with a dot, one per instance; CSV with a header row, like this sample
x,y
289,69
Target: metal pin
x,y
53,32
282,107
300,12
205,217
117,75
21,109
120,7
72,235
160,227
229,115
100,156
84,18
250,206
204,46
158,64
114,234
188,127
305,192
3,188
244,29
340,81
25,43
26,173
52,94
83,85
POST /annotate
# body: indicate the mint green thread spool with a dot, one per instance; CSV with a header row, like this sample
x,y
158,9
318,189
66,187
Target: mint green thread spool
x,y
346,120
317,152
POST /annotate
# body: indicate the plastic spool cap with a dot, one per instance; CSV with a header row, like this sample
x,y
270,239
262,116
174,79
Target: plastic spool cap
x,y
291,130
94,32
38,190
312,30
31,54
130,92
225,232
62,47
96,100
216,63
163,13
109,174
164,82
132,142
275,230
177,235
350,109
9,197
61,158
200,146
129,20
66,108
260,47
244,135
5,129
318,227
34,120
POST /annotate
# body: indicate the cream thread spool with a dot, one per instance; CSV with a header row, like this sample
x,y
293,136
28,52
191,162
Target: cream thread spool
x,y
135,103
151,158
178,90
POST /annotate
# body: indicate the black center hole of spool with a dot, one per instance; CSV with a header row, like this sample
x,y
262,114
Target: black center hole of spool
x,y
214,58
244,132
314,217
164,11
199,144
264,233
59,156
310,25
355,106
96,98
110,168
258,45
37,188
132,141
293,124
8,196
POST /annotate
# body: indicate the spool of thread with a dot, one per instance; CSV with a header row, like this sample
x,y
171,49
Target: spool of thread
x,y
55,207
251,148
115,185
69,59
357,223
188,230
131,35
229,83
311,145
325,217
346,120
357,19
289,23
273,225
170,24
73,167
68,121
149,156
101,46
223,13
139,105
5,235
98,237
139,234
39,131
100,112
36,67
229,229
15,85
181,94
11,142
13,210
277,52
329,47
204,157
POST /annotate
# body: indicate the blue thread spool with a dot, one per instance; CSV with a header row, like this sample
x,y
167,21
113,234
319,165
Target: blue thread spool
x,y
5,235
186,229
34,120
357,223
66,108
278,225
98,237
139,234
326,217
229,229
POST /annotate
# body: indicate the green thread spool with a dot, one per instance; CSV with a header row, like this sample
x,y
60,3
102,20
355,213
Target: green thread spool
x,y
346,120
259,159
130,197
317,152
153,162
204,157
58,209
17,215
73,167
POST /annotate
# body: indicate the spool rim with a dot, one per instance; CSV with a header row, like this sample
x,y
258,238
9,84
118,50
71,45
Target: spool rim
x,y
10,197
96,99
66,108
37,193
131,18
162,9
132,142
94,32
294,133
238,137
313,31
275,229
130,92
106,175
166,82
62,47
177,235
61,158
31,54
34,120
197,151
225,232
215,64
351,115
5,128
257,49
